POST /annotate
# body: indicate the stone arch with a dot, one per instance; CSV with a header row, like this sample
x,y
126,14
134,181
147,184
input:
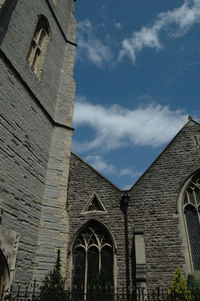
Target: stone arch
x,y
93,257
4,272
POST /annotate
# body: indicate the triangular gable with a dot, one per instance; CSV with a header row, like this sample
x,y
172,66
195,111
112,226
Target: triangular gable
x,y
94,205
189,123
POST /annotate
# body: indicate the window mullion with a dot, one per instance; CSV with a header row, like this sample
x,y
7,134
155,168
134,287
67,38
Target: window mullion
x,y
37,38
99,260
86,272
194,196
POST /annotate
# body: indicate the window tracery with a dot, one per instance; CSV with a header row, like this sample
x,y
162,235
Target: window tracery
x,y
92,258
39,44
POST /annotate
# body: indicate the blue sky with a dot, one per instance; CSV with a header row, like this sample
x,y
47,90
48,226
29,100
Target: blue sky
x,y
138,77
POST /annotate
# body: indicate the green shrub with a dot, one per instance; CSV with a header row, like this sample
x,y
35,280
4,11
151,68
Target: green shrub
x,y
178,289
53,285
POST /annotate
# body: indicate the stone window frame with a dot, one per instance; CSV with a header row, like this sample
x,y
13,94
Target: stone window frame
x,y
85,247
183,203
2,2
55,2
39,45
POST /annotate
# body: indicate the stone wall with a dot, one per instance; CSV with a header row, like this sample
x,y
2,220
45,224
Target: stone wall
x,y
25,142
83,182
154,204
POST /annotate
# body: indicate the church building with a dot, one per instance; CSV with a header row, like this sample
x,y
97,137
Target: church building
x,y
163,216
50,198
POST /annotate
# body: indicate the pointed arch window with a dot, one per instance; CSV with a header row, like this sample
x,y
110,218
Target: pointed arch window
x,y
39,44
92,259
192,219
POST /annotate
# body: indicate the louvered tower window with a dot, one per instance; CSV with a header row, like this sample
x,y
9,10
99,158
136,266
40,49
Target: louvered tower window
x,y
192,218
92,259
39,44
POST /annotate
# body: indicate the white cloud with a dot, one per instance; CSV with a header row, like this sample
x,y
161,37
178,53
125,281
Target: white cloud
x,y
114,127
176,23
90,47
125,172
127,187
100,164
118,25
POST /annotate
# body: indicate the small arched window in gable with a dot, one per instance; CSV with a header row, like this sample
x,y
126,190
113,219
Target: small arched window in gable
x,y
192,219
39,44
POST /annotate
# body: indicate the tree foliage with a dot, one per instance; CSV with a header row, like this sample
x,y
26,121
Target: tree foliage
x,y
178,289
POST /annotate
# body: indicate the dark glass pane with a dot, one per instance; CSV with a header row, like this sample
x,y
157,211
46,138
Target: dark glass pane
x,y
194,234
198,196
106,273
79,269
191,196
93,268
92,241
95,205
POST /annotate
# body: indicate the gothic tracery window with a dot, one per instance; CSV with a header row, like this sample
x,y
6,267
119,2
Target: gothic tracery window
x,y
39,44
92,258
192,219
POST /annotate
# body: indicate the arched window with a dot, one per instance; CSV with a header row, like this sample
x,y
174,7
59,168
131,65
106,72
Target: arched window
x,y
39,44
191,206
93,259
4,272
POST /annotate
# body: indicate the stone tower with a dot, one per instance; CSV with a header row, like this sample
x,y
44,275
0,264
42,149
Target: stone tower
x,y
37,50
